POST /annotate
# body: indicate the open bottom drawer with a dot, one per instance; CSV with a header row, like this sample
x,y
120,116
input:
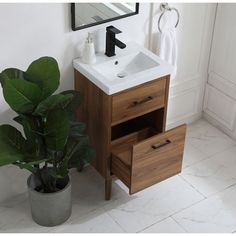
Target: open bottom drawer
x,y
145,158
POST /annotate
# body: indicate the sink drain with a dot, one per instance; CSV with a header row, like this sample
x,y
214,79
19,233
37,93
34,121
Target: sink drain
x,y
122,74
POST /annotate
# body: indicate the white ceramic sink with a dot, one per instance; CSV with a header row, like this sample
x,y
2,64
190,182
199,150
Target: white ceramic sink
x,y
125,66
130,67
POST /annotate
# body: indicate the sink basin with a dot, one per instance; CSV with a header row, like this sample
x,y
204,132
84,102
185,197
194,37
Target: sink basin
x,y
130,67
125,66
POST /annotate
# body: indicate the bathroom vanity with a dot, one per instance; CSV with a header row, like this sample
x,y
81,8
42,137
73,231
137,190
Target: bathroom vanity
x,y
126,118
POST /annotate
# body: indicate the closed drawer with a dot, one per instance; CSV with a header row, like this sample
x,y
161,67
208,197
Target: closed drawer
x,y
138,101
143,163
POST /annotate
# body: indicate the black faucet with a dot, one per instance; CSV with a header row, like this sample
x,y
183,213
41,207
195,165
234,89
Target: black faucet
x,y
111,41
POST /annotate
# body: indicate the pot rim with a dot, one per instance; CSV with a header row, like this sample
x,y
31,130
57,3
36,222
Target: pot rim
x,y
32,189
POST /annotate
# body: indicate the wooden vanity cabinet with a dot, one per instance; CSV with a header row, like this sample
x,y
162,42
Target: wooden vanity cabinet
x,y
127,129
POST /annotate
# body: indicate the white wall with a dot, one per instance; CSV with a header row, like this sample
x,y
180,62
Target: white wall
x,y
29,31
220,99
194,34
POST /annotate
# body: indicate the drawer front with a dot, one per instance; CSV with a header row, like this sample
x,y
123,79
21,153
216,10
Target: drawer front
x,y
157,158
138,101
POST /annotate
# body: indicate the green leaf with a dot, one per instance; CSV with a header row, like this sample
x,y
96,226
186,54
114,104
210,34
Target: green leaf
x,y
76,99
76,129
12,145
28,123
12,136
82,153
35,146
56,129
74,104
11,73
82,157
53,102
45,73
62,170
71,146
48,179
21,95
26,166
8,154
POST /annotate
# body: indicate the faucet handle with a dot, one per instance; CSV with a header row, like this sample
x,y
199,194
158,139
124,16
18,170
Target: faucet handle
x,y
113,29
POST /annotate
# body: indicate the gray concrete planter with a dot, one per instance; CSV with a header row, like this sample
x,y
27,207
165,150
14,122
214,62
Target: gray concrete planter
x,y
49,209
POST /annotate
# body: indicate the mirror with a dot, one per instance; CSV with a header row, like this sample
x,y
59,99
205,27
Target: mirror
x,y
89,14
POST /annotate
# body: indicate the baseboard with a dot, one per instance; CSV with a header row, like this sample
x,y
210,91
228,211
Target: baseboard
x,y
219,126
187,120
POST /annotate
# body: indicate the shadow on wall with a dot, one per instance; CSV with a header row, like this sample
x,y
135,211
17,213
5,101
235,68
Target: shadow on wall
x,y
155,42
73,45
146,32
66,68
155,34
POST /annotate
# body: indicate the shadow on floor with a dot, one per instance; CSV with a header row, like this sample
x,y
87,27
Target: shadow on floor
x,y
87,197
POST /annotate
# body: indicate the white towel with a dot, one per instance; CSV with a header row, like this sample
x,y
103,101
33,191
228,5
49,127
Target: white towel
x,y
168,47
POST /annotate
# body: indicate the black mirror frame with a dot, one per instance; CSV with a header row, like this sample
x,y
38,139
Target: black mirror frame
x,y
74,28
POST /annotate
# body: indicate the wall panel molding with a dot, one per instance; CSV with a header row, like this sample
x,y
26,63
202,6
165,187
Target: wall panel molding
x,y
223,85
220,96
183,105
221,107
194,35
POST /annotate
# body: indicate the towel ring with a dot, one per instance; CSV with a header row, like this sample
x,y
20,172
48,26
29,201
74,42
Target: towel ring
x,y
165,7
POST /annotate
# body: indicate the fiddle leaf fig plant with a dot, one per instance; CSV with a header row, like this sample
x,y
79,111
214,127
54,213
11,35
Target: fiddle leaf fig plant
x,y
53,141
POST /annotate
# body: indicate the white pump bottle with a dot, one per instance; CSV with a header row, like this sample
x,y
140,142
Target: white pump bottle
x,y
89,56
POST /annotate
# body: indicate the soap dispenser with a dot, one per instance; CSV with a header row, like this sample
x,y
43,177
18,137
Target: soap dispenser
x,y
89,56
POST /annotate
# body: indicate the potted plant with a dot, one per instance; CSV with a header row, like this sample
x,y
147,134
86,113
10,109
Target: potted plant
x,y
52,142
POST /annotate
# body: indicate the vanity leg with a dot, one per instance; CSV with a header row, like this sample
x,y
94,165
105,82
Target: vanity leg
x,y
108,186
80,168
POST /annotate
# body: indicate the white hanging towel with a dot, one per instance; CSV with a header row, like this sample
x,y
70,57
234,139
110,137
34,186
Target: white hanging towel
x,y
168,48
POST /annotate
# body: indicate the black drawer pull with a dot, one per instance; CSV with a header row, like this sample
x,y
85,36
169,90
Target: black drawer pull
x,y
159,145
135,103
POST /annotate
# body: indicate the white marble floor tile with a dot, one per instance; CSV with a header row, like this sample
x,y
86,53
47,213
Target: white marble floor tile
x,y
216,214
12,181
143,209
192,155
15,217
207,138
198,125
87,190
97,221
213,174
165,226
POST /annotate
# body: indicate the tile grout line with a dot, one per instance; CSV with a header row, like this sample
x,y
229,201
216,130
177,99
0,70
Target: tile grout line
x,y
204,198
173,214
114,220
212,194
159,221
224,189
211,125
197,162
208,156
181,226
192,186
